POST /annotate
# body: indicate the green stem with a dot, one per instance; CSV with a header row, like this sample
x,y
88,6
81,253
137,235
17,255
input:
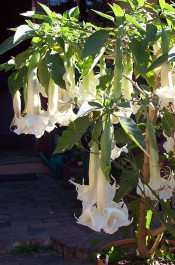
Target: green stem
x,y
118,69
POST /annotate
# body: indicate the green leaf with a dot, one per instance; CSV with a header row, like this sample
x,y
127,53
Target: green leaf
x,y
131,128
151,33
138,48
95,42
6,66
34,60
167,122
8,44
56,68
43,74
97,129
167,57
22,32
106,142
72,134
128,181
149,216
46,9
162,3
73,12
152,135
118,11
132,20
141,2
169,8
16,80
88,107
90,62
33,14
105,81
125,104
104,15
23,57
170,256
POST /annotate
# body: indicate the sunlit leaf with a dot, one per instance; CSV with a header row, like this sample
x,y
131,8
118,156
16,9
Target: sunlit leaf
x,y
46,9
77,129
72,13
131,128
118,11
88,107
152,136
33,14
132,20
104,15
22,32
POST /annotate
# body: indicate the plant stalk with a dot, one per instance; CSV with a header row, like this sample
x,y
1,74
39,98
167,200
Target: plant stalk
x,y
142,230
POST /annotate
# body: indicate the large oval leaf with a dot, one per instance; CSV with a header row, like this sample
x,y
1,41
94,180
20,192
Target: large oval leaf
x,y
73,134
88,107
95,42
56,68
43,74
131,128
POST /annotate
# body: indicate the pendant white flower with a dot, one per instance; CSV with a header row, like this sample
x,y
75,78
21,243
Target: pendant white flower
x,y
34,122
166,97
105,214
157,184
86,91
127,86
16,107
88,193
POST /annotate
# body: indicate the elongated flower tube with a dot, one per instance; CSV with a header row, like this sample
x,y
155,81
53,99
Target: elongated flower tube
x,y
156,184
54,92
69,76
16,107
87,88
88,193
105,214
65,113
166,75
127,87
33,122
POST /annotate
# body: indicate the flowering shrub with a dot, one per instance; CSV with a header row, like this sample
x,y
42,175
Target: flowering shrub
x,y
118,83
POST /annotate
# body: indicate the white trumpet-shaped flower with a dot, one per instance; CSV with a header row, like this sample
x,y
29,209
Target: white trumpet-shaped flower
x,y
166,92
88,193
127,86
34,122
64,112
86,90
157,185
105,215
16,107
166,97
